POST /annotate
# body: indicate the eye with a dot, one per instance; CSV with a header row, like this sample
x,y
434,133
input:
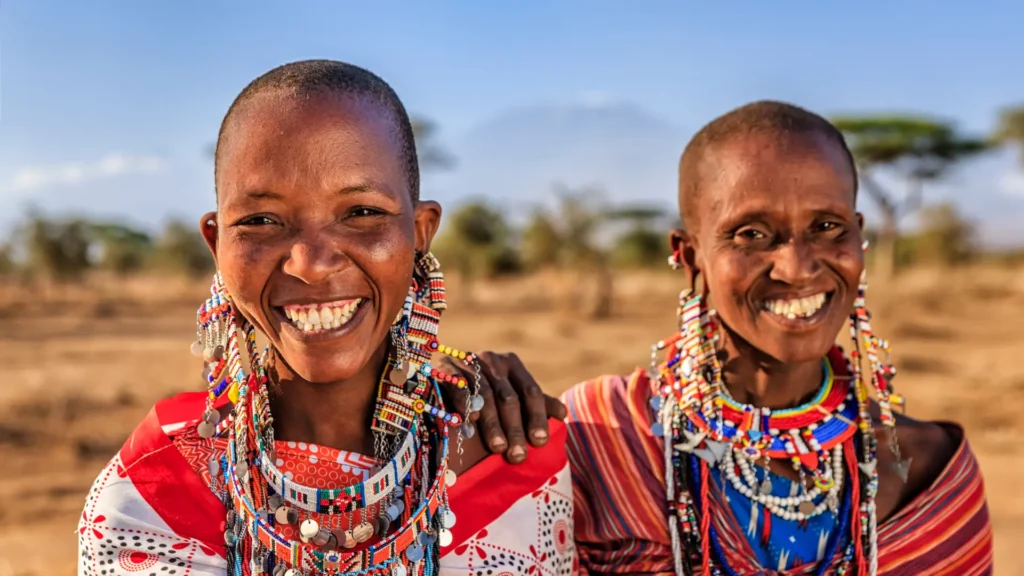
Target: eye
x,y
365,211
751,235
256,220
829,227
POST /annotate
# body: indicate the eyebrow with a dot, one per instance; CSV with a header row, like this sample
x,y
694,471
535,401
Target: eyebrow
x,y
354,189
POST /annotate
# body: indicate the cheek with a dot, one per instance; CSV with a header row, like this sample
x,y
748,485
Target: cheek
x,y
246,268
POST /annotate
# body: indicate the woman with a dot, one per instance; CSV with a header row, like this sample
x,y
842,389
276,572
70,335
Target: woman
x,y
332,451
754,430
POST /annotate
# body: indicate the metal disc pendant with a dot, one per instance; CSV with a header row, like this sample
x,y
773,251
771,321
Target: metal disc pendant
x,y
308,530
347,540
476,403
414,553
274,502
323,537
280,569
242,471
427,538
448,519
444,538
399,374
468,429
383,525
363,532
213,467
806,508
658,429
196,349
206,430
399,570
449,477
292,572
766,487
286,515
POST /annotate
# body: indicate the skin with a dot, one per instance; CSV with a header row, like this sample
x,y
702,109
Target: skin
x,y
313,207
778,220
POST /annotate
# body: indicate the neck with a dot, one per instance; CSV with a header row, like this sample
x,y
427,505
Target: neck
x,y
334,414
754,379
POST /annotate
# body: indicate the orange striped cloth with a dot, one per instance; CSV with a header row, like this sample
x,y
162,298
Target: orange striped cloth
x,y
619,496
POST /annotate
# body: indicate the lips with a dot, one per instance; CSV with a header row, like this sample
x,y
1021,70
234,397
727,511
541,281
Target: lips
x,y
321,316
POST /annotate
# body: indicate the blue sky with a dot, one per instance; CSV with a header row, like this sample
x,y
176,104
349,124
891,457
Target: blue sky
x,y
108,106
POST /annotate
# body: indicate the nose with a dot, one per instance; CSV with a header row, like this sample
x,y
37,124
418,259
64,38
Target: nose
x,y
313,258
795,263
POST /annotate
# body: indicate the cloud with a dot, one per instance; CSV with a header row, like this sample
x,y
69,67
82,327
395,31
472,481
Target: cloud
x,y
75,173
1011,183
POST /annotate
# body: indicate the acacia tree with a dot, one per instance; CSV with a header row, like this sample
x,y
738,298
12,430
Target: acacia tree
x,y
917,150
1011,128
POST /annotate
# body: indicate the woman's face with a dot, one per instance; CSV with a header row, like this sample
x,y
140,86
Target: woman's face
x,y
779,242
316,228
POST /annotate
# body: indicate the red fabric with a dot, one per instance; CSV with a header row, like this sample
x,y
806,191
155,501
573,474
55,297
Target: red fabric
x,y
168,484
493,485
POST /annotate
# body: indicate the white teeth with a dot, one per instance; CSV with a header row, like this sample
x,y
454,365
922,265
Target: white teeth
x,y
322,318
799,308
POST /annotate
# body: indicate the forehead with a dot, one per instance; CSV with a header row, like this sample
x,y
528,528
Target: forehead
x,y
278,140
771,172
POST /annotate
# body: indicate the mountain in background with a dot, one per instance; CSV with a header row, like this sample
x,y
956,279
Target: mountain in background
x,y
517,156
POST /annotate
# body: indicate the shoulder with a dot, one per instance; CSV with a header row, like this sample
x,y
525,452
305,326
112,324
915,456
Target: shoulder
x,y
591,399
931,446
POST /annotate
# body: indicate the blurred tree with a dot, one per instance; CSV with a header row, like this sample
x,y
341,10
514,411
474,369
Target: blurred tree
x,y
640,245
945,237
181,249
7,264
122,249
55,250
542,242
917,149
476,241
1011,128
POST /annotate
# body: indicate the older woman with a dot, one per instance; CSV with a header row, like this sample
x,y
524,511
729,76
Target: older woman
x,y
332,451
755,432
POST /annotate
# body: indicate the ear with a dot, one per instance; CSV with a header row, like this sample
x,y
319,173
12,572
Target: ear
x,y
860,221
208,228
684,249
427,219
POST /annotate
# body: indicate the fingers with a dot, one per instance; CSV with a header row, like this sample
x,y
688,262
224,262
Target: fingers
x,y
555,408
534,403
455,397
487,419
509,407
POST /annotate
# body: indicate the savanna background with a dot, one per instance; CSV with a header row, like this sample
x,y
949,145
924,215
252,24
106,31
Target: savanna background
x,y
550,134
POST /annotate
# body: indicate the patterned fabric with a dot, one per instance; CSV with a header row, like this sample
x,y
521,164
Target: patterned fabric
x,y
150,510
619,498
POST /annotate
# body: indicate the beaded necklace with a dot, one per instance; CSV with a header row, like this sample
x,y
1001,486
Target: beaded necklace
x,y
827,440
404,502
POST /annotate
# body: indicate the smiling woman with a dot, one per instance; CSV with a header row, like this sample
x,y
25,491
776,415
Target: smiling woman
x,y
332,451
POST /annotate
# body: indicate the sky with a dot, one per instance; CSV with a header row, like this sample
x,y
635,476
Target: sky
x,y
108,107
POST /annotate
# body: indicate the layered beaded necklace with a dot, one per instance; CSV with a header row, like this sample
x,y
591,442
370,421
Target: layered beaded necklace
x,y
395,521
828,441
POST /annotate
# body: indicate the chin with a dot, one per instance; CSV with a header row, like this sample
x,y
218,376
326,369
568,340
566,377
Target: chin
x,y
793,351
319,368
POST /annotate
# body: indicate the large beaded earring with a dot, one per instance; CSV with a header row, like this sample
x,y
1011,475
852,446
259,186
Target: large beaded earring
x,y
882,373
217,344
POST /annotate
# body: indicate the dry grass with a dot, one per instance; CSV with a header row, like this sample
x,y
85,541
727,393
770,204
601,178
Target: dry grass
x,y
81,366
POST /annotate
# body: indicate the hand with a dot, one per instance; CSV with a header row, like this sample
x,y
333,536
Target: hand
x,y
510,395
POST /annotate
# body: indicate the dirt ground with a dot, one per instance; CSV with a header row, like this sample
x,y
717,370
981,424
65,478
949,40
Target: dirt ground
x,y
81,366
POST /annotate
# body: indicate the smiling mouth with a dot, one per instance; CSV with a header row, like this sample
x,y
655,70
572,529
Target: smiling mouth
x,y
321,317
804,308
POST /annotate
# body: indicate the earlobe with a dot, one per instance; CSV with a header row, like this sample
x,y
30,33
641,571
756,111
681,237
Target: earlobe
x,y
208,228
860,221
427,219
684,251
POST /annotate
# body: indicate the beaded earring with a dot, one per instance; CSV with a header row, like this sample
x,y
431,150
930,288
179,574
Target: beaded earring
x,y
217,344
882,372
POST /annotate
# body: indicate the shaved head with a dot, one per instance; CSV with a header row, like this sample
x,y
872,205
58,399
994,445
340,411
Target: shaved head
x,y
779,121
